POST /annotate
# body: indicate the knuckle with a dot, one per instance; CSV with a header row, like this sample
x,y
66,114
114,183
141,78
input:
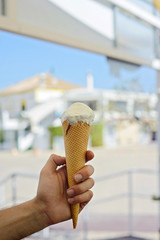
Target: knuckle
x,y
90,170
77,199
90,193
52,156
92,182
78,189
83,197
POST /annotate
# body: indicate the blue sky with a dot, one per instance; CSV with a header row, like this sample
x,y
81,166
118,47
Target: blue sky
x,y
22,57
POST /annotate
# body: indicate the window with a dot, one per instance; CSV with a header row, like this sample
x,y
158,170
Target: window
x,y
141,106
139,42
119,106
3,7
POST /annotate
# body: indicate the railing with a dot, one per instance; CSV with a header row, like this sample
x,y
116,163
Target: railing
x,y
130,194
13,179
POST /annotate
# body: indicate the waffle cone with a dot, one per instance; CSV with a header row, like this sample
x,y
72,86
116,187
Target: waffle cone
x,y
76,140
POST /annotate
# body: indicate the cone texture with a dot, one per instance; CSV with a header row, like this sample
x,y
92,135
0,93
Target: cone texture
x,y
76,140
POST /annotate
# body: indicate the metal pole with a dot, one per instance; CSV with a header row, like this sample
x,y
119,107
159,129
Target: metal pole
x,y
85,223
14,194
2,122
130,203
115,25
158,142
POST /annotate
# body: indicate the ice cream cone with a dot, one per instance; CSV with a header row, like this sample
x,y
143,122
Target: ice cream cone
x,y
76,140
76,121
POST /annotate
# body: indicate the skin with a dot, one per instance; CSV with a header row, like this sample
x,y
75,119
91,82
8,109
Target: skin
x,y
52,202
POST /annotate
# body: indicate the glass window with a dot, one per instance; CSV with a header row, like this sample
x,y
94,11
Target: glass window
x,y
119,106
141,106
134,36
147,5
3,7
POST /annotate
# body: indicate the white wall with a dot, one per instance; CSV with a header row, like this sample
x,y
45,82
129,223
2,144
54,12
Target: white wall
x,y
12,103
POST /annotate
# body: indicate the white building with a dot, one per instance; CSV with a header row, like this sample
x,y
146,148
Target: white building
x,y
28,108
31,106
30,92
127,117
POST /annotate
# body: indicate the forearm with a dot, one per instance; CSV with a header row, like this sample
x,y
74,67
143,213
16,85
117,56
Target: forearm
x,y
22,220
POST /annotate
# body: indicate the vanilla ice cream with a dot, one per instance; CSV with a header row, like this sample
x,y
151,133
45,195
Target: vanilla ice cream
x,y
78,112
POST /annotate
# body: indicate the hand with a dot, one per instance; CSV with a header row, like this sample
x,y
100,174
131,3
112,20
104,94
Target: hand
x,y
53,190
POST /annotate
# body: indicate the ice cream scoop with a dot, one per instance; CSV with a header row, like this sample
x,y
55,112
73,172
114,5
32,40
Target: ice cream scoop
x,y
78,112
76,121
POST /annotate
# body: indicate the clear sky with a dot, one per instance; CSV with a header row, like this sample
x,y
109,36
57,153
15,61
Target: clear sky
x,y
22,57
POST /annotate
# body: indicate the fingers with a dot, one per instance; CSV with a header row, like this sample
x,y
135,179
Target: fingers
x,y
80,193
84,173
54,161
89,155
80,188
82,198
82,205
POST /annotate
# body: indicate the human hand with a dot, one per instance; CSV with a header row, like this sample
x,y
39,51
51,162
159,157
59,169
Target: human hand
x,y
53,190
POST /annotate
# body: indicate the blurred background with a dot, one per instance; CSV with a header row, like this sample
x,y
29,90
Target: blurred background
x,y
106,54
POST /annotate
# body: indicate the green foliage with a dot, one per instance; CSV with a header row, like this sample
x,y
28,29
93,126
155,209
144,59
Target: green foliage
x,y
1,136
55,131
96,132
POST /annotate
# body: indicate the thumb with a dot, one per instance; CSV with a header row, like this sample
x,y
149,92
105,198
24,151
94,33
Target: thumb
x,y
54,161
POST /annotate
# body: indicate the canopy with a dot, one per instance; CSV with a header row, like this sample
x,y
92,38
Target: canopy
x,y
97,26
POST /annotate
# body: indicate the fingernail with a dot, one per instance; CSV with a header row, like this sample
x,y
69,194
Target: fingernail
x,y
70,192
78,177
70,200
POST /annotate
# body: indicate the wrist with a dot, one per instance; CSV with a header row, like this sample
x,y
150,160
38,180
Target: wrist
x,y
23,220
40,208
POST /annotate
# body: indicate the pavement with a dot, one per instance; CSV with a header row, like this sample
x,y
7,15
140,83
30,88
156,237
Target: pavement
x,y
110,213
